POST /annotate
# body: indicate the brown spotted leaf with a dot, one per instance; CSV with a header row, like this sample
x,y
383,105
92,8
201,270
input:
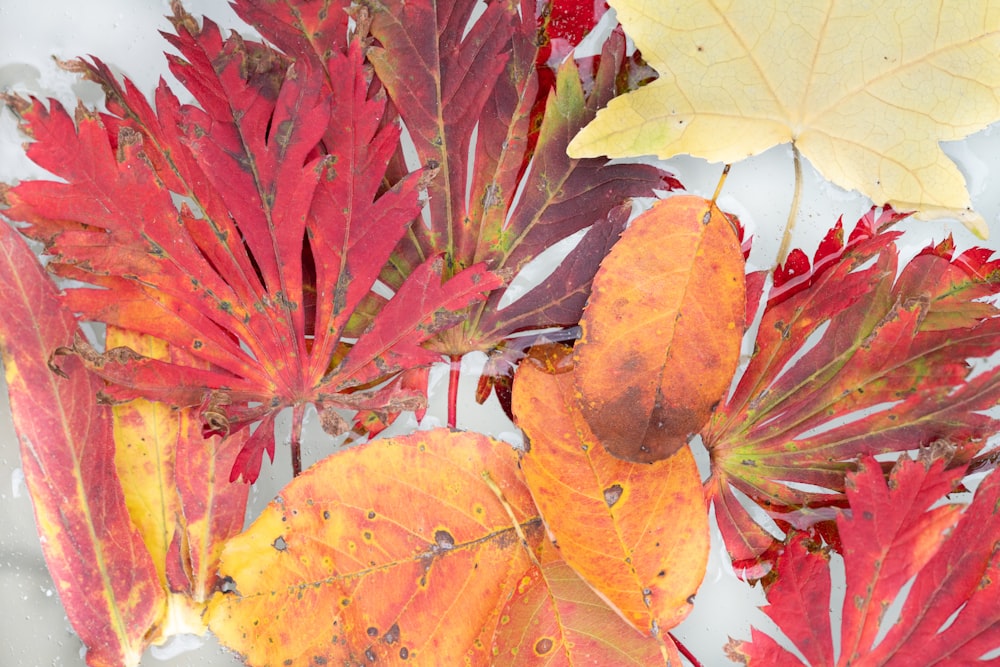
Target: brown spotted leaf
x,y
662,329
399,551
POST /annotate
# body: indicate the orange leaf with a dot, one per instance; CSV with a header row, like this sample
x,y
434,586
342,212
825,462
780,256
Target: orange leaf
x,y
662,329
398,551
637,533
102,570
177,490
554,618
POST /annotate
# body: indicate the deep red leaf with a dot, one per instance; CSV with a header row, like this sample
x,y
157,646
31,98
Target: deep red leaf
x,y
893,534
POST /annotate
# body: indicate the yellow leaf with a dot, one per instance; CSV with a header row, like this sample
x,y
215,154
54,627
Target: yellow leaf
x,y
176,487
864,90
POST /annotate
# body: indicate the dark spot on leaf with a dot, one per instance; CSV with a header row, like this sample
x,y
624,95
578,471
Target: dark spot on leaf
x,y
690,599
370,654
543,646
280,544
367,534
371,515
197,344
749,462
404,653
444,540
867,515
612,494
326,514
317,660
661,573
372,631
392,636
705,218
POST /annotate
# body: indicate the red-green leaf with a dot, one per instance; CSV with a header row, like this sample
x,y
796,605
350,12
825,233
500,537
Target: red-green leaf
x,y
103,573
848,340
951,614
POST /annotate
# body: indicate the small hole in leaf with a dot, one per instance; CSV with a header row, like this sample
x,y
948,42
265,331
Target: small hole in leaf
x,y
280,544
444,540
612,494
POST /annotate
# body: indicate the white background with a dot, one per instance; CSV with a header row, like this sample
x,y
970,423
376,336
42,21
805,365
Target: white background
x,y
34,630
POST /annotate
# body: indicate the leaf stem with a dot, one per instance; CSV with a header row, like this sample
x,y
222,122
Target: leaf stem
x,y
722,181
454,372
685,651
298,412
793,212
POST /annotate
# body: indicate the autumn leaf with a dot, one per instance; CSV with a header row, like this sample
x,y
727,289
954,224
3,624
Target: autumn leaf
x,y
637,533
893,535
482,107
177,490
283,228
396,550
554,618
662,329
103,572
854,356
864,90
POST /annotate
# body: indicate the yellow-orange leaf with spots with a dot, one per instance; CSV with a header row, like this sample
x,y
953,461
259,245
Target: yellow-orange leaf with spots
x,y
637,533
865,90
662,329
400,551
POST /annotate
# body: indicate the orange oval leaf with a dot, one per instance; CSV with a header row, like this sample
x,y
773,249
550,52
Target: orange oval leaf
x,y
637,533
554,618
662,329
400,551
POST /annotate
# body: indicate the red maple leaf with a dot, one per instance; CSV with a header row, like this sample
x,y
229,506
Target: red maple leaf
x,y
850,360
893,534
284,222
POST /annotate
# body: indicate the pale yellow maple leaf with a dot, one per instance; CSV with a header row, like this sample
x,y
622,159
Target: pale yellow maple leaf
x,y
864,90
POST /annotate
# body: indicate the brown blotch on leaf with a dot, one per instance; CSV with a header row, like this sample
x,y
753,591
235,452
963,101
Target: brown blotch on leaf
x,y
392,636
543,646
